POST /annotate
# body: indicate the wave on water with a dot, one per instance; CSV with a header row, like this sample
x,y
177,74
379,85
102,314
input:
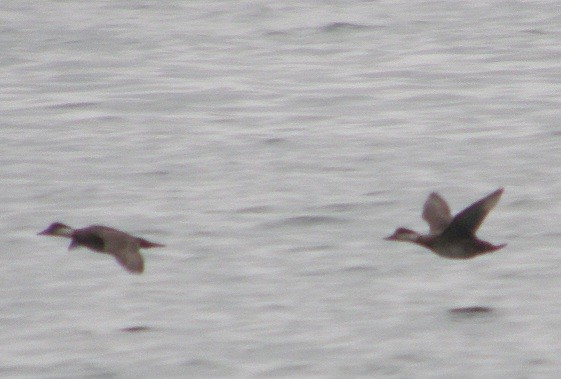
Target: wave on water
x,y
300,221
336,26
259,209
332,27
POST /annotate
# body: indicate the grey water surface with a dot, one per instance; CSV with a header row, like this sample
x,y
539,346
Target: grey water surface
x,y
271,146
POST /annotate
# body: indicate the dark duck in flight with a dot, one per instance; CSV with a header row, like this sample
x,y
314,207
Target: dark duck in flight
x,y
452,237
102,239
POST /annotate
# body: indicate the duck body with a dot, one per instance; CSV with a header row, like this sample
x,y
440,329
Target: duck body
x,y
452,237
459,248
102,239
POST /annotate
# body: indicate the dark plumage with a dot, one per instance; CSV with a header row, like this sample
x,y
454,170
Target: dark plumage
x,y
452,237
102,239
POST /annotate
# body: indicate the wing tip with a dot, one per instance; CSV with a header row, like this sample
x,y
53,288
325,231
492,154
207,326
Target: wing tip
x,y
499,191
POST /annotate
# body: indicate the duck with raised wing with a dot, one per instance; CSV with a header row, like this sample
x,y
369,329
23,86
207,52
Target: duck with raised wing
x,y
452,237
102,239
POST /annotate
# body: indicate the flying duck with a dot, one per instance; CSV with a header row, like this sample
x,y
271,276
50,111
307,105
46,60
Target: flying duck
x,y
452,237
103,239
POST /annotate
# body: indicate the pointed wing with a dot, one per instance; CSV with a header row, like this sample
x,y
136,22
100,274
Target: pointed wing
x,y
437,213
124,247
470,219
130,259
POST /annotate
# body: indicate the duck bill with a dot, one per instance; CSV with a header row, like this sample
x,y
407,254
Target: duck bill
x,y
390,238
44,233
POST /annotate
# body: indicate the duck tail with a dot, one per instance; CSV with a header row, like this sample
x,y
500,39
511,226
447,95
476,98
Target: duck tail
x,y
147,244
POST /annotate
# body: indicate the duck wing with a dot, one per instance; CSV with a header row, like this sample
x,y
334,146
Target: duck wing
x,y
130,258
436,213
470,219
123,246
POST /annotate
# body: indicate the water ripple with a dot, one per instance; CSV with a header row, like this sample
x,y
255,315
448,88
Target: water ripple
x,y
302,221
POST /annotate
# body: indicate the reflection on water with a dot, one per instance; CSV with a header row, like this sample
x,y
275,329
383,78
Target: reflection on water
x,y
471,310
136,329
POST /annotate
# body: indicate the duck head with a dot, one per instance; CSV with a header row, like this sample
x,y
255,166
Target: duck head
x,y
57,229
403,234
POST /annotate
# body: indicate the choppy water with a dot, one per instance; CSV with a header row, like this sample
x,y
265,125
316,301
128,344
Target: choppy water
x,y
271,146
